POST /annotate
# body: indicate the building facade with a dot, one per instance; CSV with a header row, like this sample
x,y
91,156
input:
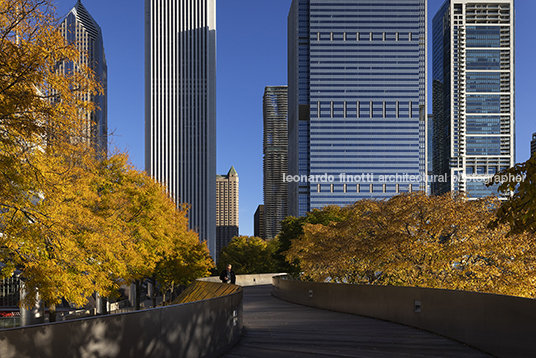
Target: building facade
x,y
357,97
180,108
79,28
473,94
258,223
275,163
226,209
533,145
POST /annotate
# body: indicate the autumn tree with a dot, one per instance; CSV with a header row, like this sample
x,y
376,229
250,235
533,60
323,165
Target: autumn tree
x,y
293,228
248,254
74,222
518,184
418,240
42,139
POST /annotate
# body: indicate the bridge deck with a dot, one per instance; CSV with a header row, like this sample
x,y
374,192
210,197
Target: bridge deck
x,y
275,328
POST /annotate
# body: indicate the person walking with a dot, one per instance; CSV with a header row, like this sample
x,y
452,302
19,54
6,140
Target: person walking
x,y
227,275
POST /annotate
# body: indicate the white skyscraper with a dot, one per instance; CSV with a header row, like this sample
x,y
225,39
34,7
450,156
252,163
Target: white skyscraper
x,y
180,105
473,94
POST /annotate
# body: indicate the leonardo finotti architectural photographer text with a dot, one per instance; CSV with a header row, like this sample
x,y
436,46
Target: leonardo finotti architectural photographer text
x,y
397,178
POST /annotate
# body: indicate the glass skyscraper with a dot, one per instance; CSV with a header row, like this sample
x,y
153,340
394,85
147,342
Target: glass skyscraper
x,y
180,106
533,145
357,100
473,94
79,28
275,163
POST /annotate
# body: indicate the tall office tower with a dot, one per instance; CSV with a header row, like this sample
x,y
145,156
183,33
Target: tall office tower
x,y
533,145
473,93
275,165
180,106
357,100
429,151
79,28
226,209
258,223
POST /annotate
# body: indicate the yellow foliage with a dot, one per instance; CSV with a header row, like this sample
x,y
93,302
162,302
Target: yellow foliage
x,y
71,220
419,240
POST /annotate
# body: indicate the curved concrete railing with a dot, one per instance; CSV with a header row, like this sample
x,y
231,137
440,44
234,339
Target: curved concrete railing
x,y
206,328
247,280
500,325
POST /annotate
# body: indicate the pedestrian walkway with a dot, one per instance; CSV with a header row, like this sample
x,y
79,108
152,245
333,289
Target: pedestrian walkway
x,y
275,328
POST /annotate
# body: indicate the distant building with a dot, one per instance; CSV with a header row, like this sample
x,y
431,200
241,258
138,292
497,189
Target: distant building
x,y
258,223
533,145
226,209
275,163
180,106
357,102
429,152
80,29
473,94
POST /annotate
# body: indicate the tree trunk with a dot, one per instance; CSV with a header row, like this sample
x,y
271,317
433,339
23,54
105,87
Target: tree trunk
x,y
104,305
138,294
153,280
52,313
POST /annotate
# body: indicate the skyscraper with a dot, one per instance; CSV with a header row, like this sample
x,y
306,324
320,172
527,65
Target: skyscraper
x,y
79,28
533,145
357,100
429,151
275,164
226,209
473,94
180,106
258,223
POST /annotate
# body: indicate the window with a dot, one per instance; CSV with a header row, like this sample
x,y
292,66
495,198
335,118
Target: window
x,y
483,59
483,36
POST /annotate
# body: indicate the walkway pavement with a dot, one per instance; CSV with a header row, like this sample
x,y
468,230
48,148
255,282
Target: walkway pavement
x,y
275,328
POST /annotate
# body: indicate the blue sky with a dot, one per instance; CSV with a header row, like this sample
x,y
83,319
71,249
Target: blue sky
x,y
251,54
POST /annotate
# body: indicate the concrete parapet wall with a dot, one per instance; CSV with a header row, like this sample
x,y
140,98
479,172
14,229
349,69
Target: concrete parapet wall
x,y
500,325
247,280
205,328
